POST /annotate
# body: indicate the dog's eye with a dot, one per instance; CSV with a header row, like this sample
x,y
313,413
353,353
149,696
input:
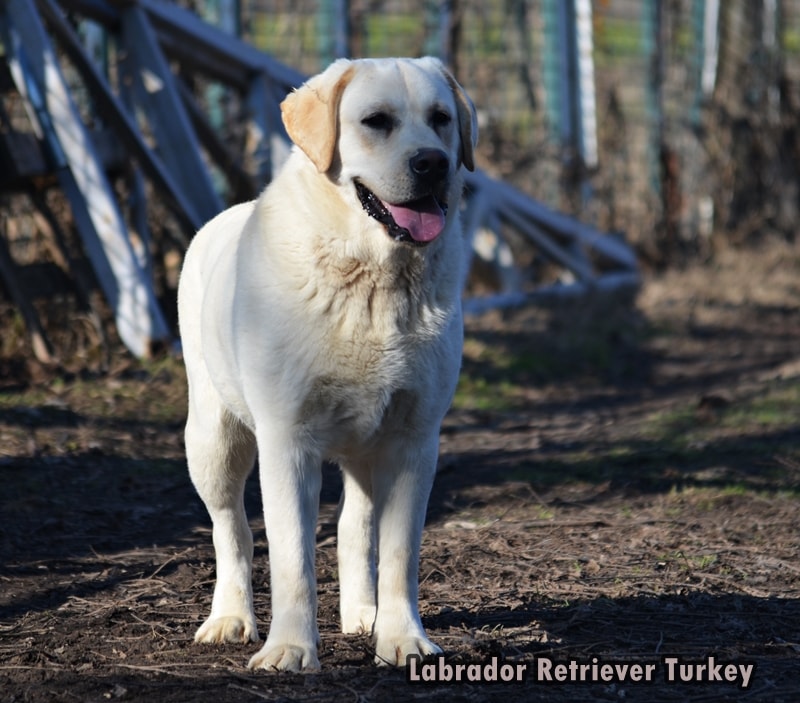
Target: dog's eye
x,y
440,118
379,121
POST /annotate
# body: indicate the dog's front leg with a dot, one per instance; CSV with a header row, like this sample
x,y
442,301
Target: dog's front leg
x,y
401,487
356,550
290,485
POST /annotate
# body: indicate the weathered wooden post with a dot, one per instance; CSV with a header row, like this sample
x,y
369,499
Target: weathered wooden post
x,y
333,26
569,83
705,23
36,72
155,92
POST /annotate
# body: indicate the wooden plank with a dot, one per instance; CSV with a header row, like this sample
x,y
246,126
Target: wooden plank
x,y
547,245
584,89
98,10
560,237
507,207
123,124
611,284
242,186
205,49
158,97
505,196
268,144
38,77
196,36
188,38
196,60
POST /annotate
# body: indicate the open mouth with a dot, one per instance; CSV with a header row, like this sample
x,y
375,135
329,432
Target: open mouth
x,y
416,222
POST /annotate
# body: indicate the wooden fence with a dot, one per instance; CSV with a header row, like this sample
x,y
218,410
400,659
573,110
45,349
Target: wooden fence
x,y
144,108
695,102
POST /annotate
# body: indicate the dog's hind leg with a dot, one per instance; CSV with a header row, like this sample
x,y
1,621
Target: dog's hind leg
x,y
221,451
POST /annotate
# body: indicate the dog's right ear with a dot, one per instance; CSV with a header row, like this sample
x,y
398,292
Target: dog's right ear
x,y
311,113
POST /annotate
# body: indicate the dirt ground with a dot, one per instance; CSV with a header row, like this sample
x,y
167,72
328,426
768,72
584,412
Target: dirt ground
x,y
617,483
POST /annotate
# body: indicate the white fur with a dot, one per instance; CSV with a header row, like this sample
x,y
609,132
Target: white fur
x,y
309,334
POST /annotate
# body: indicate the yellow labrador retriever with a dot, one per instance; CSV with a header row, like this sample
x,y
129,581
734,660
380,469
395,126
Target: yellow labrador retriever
x,y
323,320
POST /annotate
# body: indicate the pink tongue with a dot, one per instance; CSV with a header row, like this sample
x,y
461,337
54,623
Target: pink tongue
x,y
423,218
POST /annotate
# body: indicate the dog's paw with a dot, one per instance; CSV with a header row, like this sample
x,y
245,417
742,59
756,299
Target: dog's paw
x,y
358,620
226,629
394,651
285,657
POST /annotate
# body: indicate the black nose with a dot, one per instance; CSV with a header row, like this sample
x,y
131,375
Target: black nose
x,y
430,165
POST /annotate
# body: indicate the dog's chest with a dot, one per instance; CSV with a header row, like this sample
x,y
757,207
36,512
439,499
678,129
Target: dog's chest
x,y
379,332
367,383
355,408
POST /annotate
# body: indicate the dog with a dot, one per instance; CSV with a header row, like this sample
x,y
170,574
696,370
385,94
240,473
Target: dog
x,y
323,321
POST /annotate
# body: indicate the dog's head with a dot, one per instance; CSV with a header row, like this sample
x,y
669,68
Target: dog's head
x,y
394,130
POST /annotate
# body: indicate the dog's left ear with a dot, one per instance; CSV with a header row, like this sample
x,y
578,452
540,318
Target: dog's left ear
x,y
311,113
467,122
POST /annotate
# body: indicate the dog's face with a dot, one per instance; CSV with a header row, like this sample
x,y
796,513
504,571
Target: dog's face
x,y
395,131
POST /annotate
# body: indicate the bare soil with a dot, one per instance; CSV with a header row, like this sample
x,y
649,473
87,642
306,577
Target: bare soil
x,y
617,481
